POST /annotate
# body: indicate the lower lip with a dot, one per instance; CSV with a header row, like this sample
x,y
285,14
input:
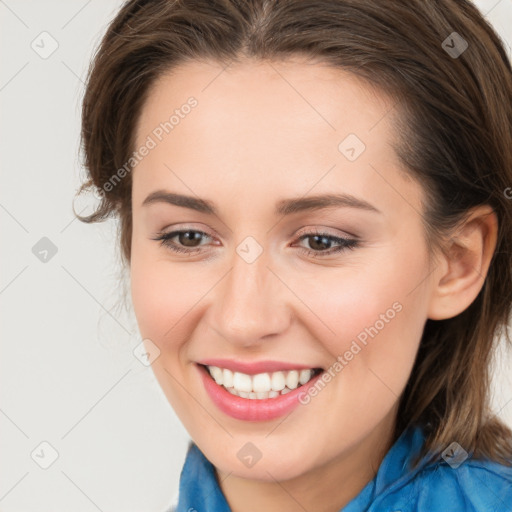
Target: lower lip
x,y
253,410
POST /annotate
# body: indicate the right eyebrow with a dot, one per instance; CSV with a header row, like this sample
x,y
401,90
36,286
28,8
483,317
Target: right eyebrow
x,y
163,196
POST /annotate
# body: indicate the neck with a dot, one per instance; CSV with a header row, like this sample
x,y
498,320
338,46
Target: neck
x,y
325,488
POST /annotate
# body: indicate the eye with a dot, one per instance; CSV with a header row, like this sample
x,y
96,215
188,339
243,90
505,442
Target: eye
x,y
321,244
187,240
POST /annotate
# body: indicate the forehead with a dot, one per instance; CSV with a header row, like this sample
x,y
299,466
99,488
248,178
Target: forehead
x,y
271,125
251,95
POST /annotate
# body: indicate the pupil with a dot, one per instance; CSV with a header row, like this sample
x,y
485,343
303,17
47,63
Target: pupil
x,y
320,242
184,238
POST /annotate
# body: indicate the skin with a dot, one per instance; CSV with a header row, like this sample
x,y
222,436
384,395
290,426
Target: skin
x,y
263,132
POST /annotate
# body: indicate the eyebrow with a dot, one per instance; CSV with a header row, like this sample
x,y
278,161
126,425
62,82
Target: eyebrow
x,y
283,207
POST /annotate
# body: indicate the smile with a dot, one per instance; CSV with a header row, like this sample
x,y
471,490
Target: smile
x,y
262,385
254,396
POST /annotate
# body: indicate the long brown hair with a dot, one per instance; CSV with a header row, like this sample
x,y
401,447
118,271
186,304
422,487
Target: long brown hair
x,y
454,119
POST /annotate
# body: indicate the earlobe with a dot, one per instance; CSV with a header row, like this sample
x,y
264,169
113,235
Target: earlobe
x,y
464,264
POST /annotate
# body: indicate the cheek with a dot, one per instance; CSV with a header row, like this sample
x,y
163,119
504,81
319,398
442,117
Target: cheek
x,y
162,297
371,322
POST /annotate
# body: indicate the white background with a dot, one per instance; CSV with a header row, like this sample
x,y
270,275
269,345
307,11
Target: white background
x,y
68,374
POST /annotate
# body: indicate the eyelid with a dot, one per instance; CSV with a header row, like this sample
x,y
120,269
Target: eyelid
x,y
326,231
184,227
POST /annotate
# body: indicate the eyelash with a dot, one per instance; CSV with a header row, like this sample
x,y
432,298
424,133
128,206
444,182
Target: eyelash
x,y
345,243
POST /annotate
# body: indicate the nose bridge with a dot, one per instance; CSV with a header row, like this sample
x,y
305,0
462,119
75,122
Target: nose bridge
x,y
250,303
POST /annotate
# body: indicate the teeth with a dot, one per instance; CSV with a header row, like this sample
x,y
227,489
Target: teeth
x,y
227,378
217,374
261,382
261,395
262,385
242,382
304,376
278,381
292,379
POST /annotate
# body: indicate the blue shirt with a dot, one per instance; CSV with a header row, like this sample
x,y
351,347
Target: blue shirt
x,y
473,486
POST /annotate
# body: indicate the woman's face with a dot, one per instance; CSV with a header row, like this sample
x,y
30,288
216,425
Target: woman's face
x,y
278,162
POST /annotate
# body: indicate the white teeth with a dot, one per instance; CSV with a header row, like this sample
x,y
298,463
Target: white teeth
x,y
292,379
278,381
217,374
261,382
304,376
227,378
262,385
242,382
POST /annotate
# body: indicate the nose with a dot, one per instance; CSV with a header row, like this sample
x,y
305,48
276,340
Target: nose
x,y
250,303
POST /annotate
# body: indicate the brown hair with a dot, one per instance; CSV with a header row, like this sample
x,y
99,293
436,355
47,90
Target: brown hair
x,y
455,126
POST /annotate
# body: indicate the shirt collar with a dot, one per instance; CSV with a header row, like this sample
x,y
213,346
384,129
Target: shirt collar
x,y
394,469
199,488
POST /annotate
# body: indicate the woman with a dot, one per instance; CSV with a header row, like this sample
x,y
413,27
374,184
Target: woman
x,y
313,208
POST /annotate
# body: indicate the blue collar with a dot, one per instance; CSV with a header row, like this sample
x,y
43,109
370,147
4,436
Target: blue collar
x,y
199,488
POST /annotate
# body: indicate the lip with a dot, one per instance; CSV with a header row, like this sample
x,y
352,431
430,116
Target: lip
x,y
247,409
253,367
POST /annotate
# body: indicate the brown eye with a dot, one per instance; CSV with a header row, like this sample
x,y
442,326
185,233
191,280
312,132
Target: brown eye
x,y
187,240
321,244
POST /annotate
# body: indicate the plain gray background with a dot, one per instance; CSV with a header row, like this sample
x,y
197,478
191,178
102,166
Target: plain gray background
x,y
69,378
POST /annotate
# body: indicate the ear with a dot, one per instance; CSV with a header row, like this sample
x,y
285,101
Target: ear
x,y
463,264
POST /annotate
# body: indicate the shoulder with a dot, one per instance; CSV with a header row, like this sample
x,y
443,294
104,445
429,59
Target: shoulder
x,y
474,486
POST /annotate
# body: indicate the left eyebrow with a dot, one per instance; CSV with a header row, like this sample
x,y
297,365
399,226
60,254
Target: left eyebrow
x,y
283,207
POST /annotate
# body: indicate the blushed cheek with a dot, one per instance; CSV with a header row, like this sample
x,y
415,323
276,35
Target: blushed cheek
x,y
371,320
161,299
341,305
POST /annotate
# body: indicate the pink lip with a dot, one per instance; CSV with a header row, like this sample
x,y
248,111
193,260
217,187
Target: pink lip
x,y
253,367
252,410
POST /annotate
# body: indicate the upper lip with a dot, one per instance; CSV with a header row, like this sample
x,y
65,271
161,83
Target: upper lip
x,y
254,367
